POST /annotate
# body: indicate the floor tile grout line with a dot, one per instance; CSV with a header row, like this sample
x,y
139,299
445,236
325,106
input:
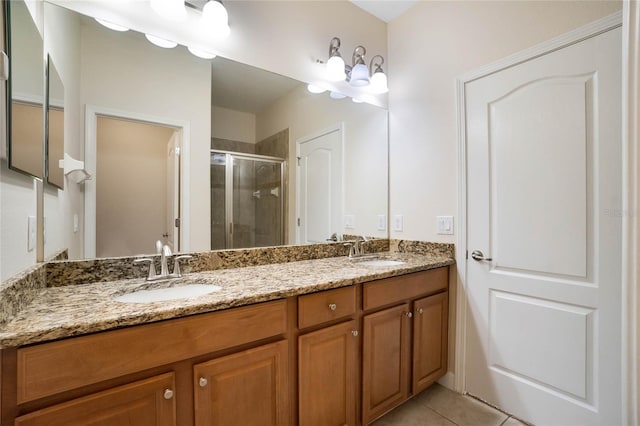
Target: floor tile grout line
x,y
443,416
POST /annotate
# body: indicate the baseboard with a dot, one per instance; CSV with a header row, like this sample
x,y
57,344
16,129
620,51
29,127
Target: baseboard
x,y
448,381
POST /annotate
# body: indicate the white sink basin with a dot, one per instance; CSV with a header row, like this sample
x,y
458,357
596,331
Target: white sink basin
x,y
381,262
169,293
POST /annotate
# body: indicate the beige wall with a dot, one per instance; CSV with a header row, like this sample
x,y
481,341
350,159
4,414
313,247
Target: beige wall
x,y
131,178
431,45
233,125
365,151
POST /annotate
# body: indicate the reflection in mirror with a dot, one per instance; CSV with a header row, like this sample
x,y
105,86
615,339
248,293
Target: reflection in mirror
x,y
218,105
55,126
26,90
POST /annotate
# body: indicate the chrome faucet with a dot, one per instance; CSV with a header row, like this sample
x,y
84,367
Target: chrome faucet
x,y
165,252
356,247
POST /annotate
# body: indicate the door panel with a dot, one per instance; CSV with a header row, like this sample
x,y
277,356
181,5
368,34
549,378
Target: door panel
x,y
544,185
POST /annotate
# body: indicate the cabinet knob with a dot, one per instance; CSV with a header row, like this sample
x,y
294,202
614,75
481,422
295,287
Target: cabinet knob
x,y
409,314
333,306
203,382
420,311
168,394
355,333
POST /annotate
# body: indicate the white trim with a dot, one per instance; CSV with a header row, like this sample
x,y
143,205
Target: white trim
x,y
590,30
630,221
91,119
448,380
335,127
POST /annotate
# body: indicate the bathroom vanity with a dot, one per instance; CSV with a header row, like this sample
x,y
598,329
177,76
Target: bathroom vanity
x,y
331,342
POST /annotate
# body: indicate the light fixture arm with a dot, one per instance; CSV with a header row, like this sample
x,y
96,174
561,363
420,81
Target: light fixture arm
x,y
334,46
377,65
358,55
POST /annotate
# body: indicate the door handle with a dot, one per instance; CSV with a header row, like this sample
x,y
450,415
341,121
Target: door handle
x,y
479,256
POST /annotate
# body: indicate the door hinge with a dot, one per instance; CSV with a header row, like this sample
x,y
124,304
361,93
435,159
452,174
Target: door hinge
x,y
176,222
466,254
298,221
298,158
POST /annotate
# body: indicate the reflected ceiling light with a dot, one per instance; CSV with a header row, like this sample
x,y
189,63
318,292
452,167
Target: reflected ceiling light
x,y
161,42
111,26
215,19
172,10
315,89
337,95
356,101
357,74
201,53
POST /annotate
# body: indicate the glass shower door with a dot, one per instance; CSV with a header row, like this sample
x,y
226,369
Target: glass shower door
x,y
247,203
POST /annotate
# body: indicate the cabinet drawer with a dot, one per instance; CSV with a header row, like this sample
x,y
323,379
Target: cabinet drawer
x,y
396,289
325,306
51,368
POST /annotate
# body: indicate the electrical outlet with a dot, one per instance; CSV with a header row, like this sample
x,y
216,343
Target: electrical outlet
x,y
382,222
31,233
397,223
349,221
444,225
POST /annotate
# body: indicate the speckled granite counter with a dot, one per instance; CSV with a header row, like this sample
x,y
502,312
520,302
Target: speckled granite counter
x,y
66,311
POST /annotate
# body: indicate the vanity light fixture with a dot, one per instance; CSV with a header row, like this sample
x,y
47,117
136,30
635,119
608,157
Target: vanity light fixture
x,y
161,42
111,26
337,95
201,53
357,74
215,19
315,89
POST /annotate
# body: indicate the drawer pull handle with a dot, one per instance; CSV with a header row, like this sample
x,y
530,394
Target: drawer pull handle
x,y
355,333
333,306
420,311
203,382
168,394
409,314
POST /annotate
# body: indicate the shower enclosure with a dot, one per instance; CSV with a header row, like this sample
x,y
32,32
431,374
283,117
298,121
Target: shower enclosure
x,y
247,200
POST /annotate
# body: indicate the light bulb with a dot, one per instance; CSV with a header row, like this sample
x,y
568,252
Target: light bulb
x,y
112,26
315,89
335,68
172,10
201,53
161,42
215,20
360,75
379,82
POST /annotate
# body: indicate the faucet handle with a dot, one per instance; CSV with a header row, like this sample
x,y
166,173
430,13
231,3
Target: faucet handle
x,y
152,268
176,265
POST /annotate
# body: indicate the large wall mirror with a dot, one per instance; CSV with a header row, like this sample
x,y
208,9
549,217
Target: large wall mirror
x,y
55,126
170,136
25,115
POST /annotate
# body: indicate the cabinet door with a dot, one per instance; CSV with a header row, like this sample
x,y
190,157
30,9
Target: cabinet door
x,y
327,376
247,388
385,360
148,402
430,325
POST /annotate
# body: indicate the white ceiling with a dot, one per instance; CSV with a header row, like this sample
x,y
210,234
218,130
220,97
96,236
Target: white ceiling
x,y
385,10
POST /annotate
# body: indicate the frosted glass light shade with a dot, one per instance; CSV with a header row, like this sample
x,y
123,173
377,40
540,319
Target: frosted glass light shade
x,y
337,95
172,10
379,83
360,75
201,53
215,19
112,26
161,42
335,69
315,89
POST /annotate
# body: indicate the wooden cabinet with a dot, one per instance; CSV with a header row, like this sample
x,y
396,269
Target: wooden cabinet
x,y
147,402
430,325
404,347
318,308
246,388
385,360
327,375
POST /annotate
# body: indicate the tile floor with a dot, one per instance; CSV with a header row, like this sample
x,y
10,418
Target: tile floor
x,y
439,406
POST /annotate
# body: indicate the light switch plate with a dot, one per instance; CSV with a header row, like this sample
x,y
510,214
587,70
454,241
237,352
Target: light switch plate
x,y
397,223
349,221
444,225
382,222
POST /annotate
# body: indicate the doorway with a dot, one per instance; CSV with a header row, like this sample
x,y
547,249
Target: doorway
x,y
247,200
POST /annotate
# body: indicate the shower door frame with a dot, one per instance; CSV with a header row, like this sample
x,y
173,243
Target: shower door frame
x,y
229,190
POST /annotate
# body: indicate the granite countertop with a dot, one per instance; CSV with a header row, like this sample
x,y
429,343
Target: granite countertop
x,y
59,312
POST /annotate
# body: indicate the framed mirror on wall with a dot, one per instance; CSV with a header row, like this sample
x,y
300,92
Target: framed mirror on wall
x,y
55,126
25,111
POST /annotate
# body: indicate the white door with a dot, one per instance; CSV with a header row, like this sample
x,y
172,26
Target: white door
x,y
172,235
543,202
319,186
